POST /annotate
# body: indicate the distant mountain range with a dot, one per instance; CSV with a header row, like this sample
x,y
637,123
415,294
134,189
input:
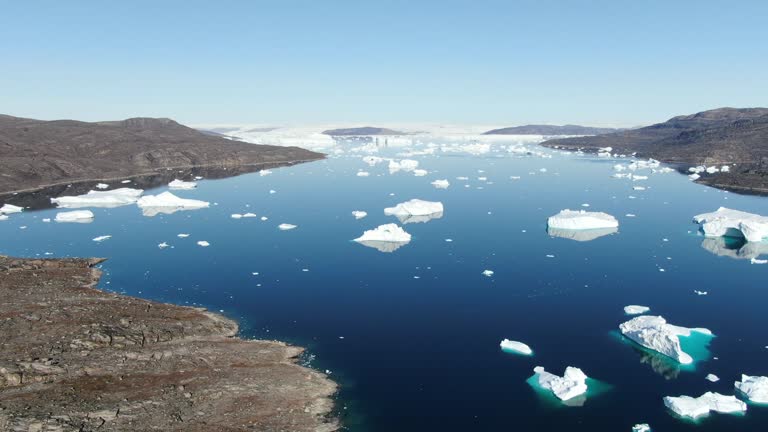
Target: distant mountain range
x,y
550,130
36,153
715,137
361,131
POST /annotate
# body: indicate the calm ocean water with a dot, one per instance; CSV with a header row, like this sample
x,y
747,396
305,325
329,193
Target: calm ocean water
x,y
413,336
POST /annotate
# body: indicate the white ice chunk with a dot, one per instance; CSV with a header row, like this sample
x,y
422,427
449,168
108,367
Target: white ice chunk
x,y
386,238
102,186
733,223
163,245
108,199
265,172
359,214
441,184
686,406
167,203
10,208
3,217
573,383
488,273
203,243
79,216
102,238
653,332
249,215
712,378
182,185
236,216
515,347
182,235
363,173
581,220
641,427
416,210
635,309
285,227
420,172
755,388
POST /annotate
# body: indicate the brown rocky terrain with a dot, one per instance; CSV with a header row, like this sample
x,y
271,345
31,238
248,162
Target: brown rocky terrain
x,y
36,153
74,358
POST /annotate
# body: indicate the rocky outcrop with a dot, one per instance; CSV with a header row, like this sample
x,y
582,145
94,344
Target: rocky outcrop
x,y
74,358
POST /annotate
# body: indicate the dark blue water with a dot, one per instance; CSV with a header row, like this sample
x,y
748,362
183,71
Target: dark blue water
x,y
415,354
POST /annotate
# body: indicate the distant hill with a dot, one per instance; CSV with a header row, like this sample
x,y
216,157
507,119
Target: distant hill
x,y
715,137
360,131
36,153
550,130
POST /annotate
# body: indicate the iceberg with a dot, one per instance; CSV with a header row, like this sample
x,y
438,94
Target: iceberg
x,y
10,208
515,347
733,223
167,203
582,220
686,406
755,388
416,210
182,185
78,216
107,199
385,238
581,235
573,383
441,184
641,427
286,227
654,333
359,214
635,309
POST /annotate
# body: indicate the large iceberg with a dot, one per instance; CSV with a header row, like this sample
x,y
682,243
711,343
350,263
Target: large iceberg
x,y
515,347
755,388
573,383
385,238
167,203
78,216
111,198
686,406
416,210
733,223
180,184
10,208
653,332
582,220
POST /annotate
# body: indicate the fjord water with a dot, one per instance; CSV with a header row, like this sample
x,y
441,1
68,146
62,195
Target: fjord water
x,y
413,336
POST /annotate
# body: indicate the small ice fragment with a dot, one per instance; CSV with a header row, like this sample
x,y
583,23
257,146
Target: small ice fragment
x,y
641,427
420,172
125,181
265,172
182,235
515,347
102,186
163,245
635,309
181,185
272,191
488,273
550,256
285,227
359,214
249,215
236,216
758,261
78,216
10,208
712,378
46,219
363,174
203,243
630,215
448,240
701,293
441,184
102,238
264,218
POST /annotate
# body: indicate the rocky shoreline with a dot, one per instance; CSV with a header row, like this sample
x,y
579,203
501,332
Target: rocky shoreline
x,y
75,358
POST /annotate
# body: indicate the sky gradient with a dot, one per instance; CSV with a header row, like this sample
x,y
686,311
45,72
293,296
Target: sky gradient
x,y
308,61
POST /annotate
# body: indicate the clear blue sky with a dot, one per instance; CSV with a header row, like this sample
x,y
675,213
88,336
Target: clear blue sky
x,y
299,61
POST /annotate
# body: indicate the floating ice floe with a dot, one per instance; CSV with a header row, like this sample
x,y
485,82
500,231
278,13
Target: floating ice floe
x,y
236,216
654,333
441,184
403,165
488,273
363,174
249,215
359,214
265,172
203,243
102,238
125,181
686,406
758,261
286,227
420,172
163,245
182,185
10,208
182,235
635,309
733,223
573,383
755,388
515,347
712,378
641,427
385,238
416,210
107,199
3,217
78,216
167,203
582,220
102,186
